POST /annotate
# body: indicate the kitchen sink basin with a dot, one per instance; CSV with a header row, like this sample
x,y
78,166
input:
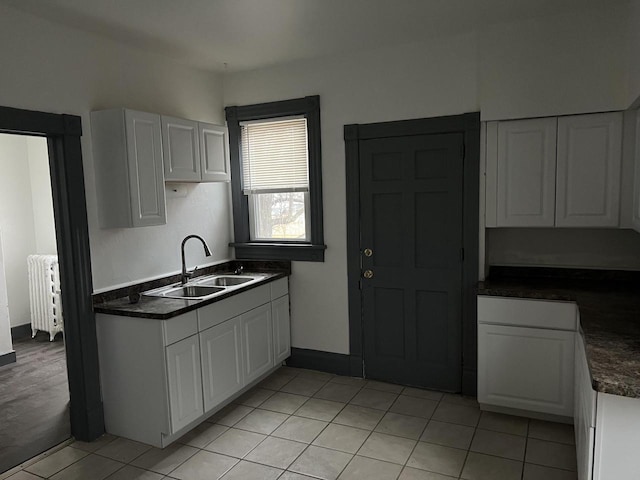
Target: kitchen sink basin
x,y
202,288
226,281
185,291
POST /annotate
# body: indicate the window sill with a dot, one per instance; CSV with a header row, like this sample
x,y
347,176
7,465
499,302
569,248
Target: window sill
x,y
304,252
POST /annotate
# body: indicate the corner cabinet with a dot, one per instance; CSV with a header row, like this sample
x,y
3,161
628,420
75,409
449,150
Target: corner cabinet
x,y
160,378
538,339
195,151
127,153
555,171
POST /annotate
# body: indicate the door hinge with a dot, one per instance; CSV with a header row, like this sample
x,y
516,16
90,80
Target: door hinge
x,y
462,150
462,254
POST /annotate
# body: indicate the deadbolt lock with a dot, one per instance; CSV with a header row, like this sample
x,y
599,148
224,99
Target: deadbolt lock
x,y
368,274
368,252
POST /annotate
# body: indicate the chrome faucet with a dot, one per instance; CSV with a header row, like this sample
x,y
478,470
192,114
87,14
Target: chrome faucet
x,y
207,252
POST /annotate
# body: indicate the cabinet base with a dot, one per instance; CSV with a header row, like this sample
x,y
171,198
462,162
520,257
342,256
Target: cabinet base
x,y
526,413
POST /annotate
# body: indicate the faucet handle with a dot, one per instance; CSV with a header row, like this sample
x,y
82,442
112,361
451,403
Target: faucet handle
x,y
192,272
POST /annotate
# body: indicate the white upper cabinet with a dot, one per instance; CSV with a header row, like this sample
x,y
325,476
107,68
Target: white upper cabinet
x,y
181,150
526,155
214,150
555,172
588,170
195,152
127,152
636,186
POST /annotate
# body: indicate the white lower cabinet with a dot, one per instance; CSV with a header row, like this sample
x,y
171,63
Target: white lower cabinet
x,y
526,368
161,377
584,412
185,382
281,329
524,363
222,367
257,334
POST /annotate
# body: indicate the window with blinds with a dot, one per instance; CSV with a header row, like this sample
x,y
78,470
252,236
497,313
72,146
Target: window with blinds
x,y
275,156
275,177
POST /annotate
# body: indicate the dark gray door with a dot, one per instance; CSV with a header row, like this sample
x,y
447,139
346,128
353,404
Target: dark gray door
x,y
411,204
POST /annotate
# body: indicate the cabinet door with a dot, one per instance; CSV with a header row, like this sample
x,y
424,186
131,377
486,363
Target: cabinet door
x,y
146,178
584,412
185,382
526,368
181,150
222,372
258,344
281,329
214,146
617,438
526,173
636,185
588,173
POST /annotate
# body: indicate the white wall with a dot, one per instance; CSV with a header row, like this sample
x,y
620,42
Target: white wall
x,y
388,84
16,222
565,64
634,54
572,63
5,325
564,247
40,180
52,68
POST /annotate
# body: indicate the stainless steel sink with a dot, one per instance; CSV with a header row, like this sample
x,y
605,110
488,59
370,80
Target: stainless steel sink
x,y
205,287
187,291
225,281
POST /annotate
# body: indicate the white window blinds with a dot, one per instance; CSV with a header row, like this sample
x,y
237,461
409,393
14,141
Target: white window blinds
x,y
275,156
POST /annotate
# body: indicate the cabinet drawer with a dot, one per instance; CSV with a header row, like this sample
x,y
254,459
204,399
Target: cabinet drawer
x,y
527,313
180,327
218,312
279,288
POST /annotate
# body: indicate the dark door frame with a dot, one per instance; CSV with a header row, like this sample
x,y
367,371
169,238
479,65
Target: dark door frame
x,y
469,125
63,134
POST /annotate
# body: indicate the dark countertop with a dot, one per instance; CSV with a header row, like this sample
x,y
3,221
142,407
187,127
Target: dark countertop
x,y
609,305
129,302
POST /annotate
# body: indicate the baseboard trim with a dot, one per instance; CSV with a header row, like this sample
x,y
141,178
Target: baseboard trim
x,y
549,417
7,358
21,331
338,363
469,382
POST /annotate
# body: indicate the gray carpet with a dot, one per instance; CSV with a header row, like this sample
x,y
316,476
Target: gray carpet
x,y
34,400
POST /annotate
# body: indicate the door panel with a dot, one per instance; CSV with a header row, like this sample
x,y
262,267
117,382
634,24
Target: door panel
x,y
411,218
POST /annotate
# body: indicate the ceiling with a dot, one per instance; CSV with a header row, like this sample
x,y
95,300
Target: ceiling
x,y
233,35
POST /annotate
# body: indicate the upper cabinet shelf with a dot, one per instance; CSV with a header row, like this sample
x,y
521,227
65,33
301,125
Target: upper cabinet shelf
x,y
555,172
195,151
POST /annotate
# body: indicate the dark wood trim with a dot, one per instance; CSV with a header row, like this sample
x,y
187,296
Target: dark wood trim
x,y
300,252
330,362
7,358
72,234
469,125
245,249
21,331
352,146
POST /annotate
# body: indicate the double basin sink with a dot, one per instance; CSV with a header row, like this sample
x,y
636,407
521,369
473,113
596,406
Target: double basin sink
x,y
205,287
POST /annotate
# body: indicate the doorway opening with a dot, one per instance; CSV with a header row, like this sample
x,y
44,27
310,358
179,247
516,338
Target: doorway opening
x,y
58,136
34,384
412,250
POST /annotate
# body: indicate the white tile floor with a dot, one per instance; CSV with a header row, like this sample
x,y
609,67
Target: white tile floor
x,y
301,424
